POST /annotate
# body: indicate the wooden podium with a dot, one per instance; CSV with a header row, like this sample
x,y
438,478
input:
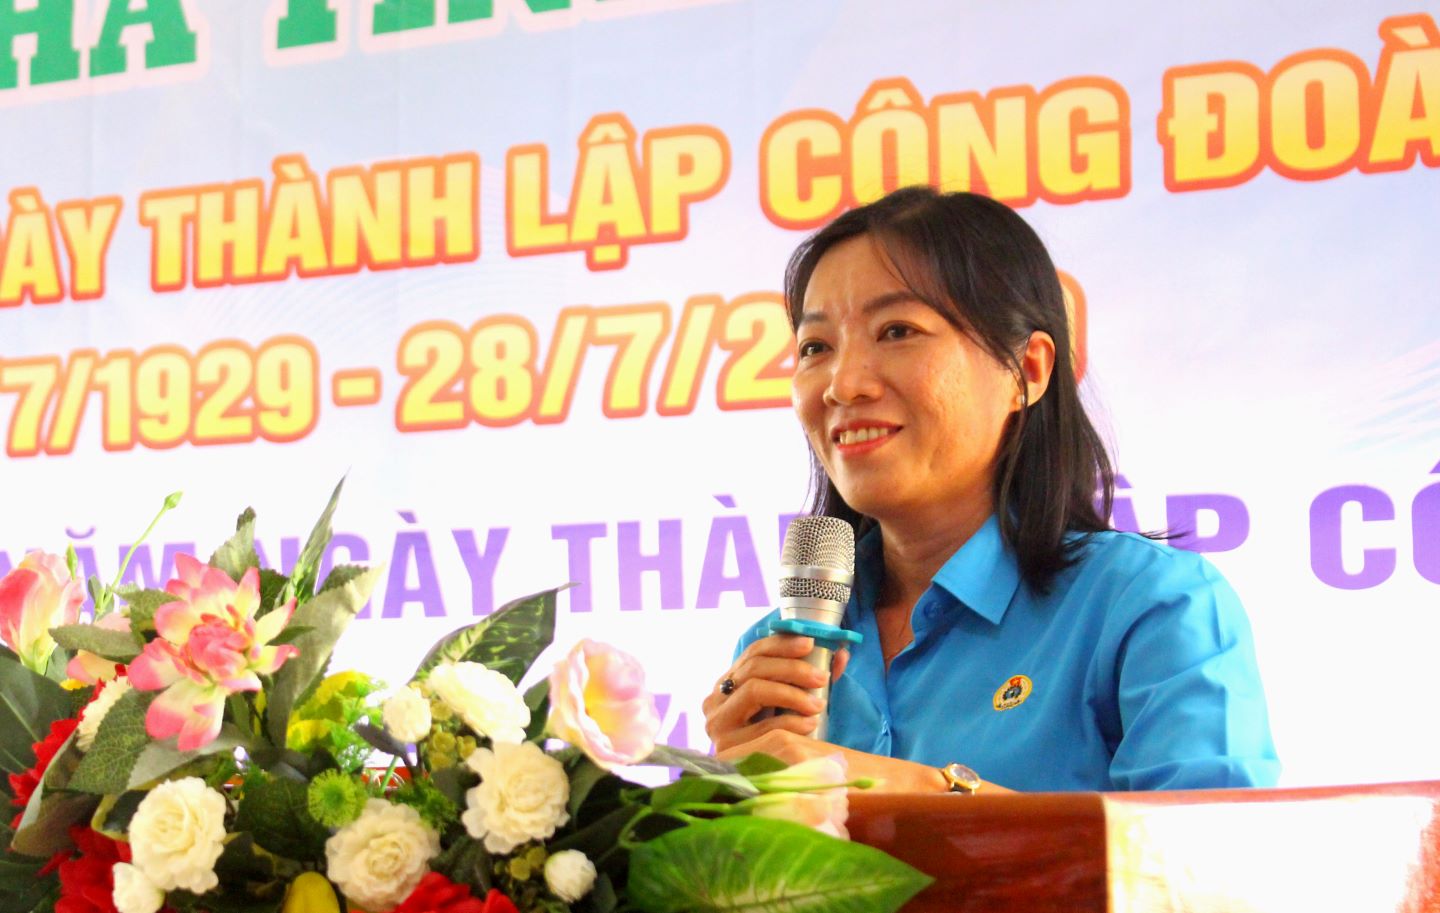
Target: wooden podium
x,y
1360,849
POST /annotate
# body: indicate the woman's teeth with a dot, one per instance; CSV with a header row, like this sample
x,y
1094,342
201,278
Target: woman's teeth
x,y
861,435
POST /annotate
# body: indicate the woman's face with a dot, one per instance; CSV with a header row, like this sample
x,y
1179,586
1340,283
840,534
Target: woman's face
x,y
905,412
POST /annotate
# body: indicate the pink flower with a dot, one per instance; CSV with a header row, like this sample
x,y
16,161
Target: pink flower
x,y
811,793
90,669
210,646
35,597
825,811
599,704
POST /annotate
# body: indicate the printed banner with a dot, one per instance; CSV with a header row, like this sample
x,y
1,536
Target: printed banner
x,y
513,268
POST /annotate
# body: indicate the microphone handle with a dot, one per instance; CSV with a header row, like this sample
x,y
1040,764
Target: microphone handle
x,y
820,657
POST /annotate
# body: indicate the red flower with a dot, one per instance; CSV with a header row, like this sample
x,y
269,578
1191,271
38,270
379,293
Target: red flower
x,y
437,894
23,784
495,902
87,880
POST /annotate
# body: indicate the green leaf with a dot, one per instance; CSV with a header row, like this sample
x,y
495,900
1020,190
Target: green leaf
x,y
22,889
119,743
238,554
702,789
272,585
689,761
99,596
307,565
453,782
29,703
600,836
751,864
381,740
45,825
241,863
465,862
275,810
115,812
602,897
342,574
291,634
584,774
508,641
143,604
160,758
537,698
119,646
327,616
56,664
753,765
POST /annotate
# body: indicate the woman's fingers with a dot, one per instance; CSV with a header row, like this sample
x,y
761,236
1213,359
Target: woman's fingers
x,y
769,674
736,710
795,672
727,742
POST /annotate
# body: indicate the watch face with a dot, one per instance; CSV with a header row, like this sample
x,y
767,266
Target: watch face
x,y
962,778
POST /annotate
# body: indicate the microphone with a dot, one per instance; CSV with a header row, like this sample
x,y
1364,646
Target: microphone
x,y
816,573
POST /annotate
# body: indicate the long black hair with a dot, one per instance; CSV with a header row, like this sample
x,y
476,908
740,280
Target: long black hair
x,y
981,267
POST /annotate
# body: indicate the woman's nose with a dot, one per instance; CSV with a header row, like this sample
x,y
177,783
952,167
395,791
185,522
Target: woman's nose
x,y
853,377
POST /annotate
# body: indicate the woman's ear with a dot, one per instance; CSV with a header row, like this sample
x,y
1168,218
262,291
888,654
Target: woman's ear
x,y
1037,361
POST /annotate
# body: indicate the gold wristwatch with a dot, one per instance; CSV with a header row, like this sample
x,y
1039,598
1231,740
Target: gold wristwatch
x,y
961,779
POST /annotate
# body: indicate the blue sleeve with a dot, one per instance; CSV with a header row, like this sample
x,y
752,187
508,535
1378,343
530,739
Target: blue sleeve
x,y
1191,705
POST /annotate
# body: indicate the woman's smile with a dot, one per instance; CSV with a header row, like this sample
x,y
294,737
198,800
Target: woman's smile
x,y
854,438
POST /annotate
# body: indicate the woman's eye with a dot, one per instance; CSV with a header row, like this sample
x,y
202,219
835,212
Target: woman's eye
x,y
897,331
810,347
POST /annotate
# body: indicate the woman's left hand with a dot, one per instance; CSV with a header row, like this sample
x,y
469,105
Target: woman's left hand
x,y
889,774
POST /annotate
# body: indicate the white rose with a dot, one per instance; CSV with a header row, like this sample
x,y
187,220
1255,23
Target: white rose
x,y
521,796
95,712
133,892
487,701
570,875
379,858
407,715
177,834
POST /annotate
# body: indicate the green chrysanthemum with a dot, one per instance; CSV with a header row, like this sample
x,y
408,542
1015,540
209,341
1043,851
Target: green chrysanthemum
x,y
335,799
435,807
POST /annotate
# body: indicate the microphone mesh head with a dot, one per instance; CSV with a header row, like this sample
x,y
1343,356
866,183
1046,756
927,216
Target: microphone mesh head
x,y
820,542
810,588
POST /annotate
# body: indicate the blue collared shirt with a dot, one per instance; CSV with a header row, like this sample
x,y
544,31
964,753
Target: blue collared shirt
x,y
1136,671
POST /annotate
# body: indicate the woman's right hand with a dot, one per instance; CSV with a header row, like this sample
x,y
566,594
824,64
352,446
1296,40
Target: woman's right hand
x,y
771,673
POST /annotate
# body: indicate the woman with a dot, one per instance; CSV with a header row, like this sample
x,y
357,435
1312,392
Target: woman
x,y
1008,630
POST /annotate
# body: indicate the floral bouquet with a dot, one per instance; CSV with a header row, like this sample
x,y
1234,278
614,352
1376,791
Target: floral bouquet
x,y
188,749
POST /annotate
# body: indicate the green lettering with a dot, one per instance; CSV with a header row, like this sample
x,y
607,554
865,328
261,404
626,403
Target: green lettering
x,y
172,40
306,22
470,10
403,15
56,57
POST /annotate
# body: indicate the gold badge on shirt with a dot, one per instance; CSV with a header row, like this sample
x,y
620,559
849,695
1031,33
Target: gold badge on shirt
x,y
1013,693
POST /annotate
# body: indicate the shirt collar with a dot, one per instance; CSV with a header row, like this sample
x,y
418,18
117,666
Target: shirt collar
x,y
982,575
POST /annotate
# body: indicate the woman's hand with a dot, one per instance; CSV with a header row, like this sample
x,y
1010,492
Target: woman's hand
x,y
771,673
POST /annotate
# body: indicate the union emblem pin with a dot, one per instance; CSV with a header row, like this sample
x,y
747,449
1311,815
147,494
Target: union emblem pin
x,y
1013,693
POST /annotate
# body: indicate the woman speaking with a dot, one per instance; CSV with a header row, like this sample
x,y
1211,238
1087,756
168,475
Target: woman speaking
x,y
1009,633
